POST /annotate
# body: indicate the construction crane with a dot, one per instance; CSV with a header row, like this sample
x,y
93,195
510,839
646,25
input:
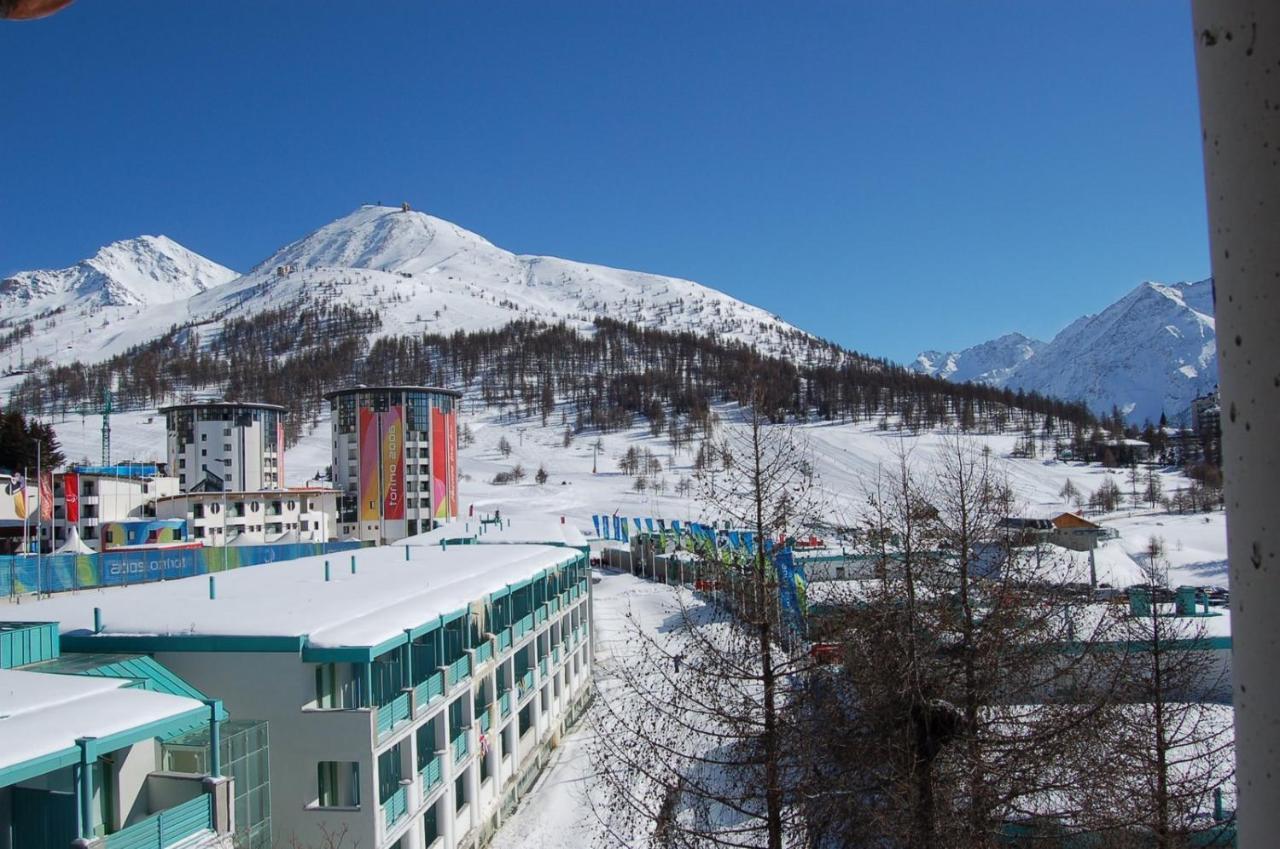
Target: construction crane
x,y
107,406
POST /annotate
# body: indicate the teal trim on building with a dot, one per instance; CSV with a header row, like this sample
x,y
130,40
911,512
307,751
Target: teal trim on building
x,y
23,643
81,642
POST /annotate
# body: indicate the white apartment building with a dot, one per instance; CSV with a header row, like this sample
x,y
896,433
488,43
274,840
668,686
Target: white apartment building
x,y
295,514
225,445
412,692
101,496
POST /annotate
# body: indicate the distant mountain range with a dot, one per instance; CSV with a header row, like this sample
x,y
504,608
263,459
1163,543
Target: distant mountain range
x,y
421,273
1150,352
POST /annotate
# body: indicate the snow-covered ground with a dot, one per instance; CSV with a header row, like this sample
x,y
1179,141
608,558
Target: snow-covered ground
x,y
847,458
558,812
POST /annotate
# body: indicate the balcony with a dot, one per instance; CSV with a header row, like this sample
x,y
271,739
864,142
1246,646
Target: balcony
x,y
504,703
396,806
166,828
459,747
504,639
542,667
459,669
430,775
431,688
524,685
484,652
393,712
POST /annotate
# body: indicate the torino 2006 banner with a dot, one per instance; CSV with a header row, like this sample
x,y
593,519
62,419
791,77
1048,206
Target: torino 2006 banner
x,y
444,463
381,464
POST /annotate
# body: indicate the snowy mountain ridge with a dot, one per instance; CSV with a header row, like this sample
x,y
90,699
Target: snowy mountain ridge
x,y
419,272
136,272
1150,352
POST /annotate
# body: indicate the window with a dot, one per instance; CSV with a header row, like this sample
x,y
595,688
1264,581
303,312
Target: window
x,y
460,792
337,784
204,437
226,446
199,531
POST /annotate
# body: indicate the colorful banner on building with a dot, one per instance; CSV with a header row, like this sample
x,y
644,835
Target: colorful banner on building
x,y
444,463
369,465
46,497
71,495
393,463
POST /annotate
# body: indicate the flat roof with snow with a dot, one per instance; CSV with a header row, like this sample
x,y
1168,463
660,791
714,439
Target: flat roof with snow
x,y
42,715
289,606
509,532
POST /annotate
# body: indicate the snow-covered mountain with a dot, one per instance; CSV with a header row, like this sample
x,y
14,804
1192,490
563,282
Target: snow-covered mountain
x,y
1150,352
989,362
419,272
134,273
426,274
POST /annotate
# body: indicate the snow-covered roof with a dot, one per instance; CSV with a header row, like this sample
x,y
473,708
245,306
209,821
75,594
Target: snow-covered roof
x,y
523,531
387,595
43,714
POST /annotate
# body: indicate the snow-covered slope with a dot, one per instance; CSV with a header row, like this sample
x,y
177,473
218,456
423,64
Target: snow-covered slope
x,y
1150,352
131,273
426,274
987,363
419,272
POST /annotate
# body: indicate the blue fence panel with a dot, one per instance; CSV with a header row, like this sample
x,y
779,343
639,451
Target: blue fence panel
x,y
54,573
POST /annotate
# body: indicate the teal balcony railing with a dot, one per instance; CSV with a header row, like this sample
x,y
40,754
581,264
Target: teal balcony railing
x,y
504,639
540,615
459,670
430,775
396,710
166,828
396,806
459,747
525,684
553,604
542,667
484,651
523,626
555,653
484,722
430,688
504,703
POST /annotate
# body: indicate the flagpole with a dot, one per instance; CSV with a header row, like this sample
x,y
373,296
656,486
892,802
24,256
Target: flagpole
x,y
39,523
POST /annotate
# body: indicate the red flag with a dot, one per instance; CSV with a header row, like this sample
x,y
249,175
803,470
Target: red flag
x,y
71,492
46,497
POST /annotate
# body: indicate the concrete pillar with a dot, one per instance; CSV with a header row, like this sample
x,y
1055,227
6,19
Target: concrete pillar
x,y
1237,48
448,827
84,789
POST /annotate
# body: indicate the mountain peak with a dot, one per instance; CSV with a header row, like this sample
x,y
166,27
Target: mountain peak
x,y
382,238
1151,351
130,272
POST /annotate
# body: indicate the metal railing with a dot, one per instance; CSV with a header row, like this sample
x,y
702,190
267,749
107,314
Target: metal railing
x,y
484,651
459,669
396,806
459,747
166,828
430,775
396,710
430,688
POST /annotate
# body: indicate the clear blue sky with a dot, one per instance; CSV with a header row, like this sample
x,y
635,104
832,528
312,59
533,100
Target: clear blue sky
x,y
892,176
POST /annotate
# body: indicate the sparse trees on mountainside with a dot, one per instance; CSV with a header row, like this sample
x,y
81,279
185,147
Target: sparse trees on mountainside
x,y
294,354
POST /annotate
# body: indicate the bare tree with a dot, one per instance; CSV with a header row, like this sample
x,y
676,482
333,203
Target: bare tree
x,y
1171,750
970,685
690,743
